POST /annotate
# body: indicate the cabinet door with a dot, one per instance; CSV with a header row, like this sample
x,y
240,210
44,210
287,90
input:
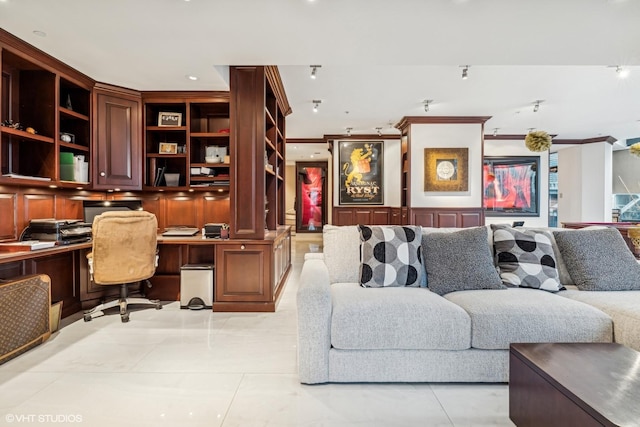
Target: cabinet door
x,y
118,142
243,273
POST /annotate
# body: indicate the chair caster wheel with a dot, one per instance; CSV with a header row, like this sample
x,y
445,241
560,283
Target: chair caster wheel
x,y
124,317
87,318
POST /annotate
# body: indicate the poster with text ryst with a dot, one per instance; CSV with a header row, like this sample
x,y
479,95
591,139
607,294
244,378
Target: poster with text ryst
x,y
361,179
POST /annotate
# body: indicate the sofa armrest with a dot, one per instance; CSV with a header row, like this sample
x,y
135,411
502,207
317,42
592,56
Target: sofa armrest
x,y
314,322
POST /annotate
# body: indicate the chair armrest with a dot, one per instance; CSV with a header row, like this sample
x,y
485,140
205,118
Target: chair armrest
x,y
314,322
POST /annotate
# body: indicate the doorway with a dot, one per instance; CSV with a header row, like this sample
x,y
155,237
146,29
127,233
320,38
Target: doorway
x,y
311,201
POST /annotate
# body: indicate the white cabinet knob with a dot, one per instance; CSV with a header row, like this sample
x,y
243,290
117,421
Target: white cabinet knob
x,y
242,247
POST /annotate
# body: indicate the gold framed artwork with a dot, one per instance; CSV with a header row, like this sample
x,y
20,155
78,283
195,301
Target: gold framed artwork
x,y
446,169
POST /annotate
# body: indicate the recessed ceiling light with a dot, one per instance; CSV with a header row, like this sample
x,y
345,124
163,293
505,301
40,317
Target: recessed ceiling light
x,y
39,33
622,72
190,77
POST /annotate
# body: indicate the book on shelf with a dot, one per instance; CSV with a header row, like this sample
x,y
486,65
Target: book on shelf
x,y
159,176
25,246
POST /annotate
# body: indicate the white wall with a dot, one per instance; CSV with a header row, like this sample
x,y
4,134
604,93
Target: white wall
x,y
503,148
446,136
585,183
627,167
390,172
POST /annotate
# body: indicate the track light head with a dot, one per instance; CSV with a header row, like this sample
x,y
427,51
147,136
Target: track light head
x,y
465,71
426,103
314,70
536,105
379,131
495,131
349,131
316,103
622,72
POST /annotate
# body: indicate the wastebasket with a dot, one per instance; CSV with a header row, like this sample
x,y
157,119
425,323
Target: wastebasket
x,y
196,286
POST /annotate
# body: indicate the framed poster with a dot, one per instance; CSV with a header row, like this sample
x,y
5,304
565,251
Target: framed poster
x,y
361,178
511,186
446,169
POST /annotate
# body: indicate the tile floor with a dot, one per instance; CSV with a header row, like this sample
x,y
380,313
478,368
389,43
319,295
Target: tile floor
x,y
199,368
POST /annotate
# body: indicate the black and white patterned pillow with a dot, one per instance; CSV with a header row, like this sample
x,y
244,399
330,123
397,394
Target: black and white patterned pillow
x,y
525,258
390,256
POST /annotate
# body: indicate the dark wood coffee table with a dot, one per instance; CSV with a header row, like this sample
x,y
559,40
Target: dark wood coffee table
x,y
590,384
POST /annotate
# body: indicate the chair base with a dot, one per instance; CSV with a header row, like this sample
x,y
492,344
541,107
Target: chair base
x,y
124,301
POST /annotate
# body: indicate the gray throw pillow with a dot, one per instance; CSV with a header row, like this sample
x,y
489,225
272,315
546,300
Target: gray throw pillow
x,y
525,258
390,256
459,261
599,260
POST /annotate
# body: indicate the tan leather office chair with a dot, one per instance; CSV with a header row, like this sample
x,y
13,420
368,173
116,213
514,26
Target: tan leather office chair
x,y
124,252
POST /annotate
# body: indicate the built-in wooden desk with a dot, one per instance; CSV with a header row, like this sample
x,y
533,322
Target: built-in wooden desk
x,y
249,274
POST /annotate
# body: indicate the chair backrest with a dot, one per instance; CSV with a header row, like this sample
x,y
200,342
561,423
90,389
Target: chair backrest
x,y
124,247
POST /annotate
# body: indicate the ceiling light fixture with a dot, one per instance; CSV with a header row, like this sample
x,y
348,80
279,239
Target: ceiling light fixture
x,y
379,131
426,103
190,77
314,70
39,33
621,72
495,131
316,103
465,71
349,131
536,105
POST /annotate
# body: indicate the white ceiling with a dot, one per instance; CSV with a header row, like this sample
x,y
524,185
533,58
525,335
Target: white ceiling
x,y
380,59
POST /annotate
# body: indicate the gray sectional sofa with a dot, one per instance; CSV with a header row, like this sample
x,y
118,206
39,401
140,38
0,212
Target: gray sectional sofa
x,y
348,333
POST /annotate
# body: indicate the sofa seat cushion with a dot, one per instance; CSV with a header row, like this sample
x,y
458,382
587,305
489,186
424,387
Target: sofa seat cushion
x,y
517,315
396,318
622,306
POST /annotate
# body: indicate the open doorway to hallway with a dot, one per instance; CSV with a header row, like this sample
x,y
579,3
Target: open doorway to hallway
x,y
311,200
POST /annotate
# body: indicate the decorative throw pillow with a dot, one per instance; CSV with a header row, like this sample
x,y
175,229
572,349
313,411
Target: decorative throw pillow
x,y
459,261
525,258
599,260
390,256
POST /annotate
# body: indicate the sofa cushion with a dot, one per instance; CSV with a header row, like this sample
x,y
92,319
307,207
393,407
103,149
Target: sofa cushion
x,y
396,318
458,261
599,260
623,307
499,318
526,258
390,256
341,250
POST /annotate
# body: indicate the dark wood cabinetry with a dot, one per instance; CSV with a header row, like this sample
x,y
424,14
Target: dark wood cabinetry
x,y
117,134
250,274
205,124
258,108
31,96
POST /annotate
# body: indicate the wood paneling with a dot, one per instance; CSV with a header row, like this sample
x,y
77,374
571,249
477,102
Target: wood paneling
x,y
9,209
182,210
447,217
216,209
246,107
38,206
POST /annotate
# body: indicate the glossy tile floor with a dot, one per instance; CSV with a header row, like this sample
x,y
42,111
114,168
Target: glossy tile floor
x,y
198,368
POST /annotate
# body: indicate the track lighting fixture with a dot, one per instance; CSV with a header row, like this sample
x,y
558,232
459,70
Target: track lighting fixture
x,y
426,103
349,131
379,130
495,131
536,105
621,72
316,103
465,71
314,70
